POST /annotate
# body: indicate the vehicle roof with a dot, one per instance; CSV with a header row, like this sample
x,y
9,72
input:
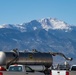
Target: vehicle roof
x,y
73,65
16,65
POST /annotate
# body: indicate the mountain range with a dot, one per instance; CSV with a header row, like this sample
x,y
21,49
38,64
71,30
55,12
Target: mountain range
x,y
45,35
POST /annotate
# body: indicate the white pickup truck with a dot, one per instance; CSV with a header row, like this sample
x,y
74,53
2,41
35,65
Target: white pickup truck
x,y
71,71
62,72
20,70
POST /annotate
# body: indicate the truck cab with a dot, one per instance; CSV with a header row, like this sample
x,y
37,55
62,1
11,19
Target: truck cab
x,y
23,70
20,68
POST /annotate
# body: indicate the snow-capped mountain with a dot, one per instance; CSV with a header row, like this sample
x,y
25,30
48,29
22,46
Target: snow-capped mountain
x,y
46,34
46,23
53,23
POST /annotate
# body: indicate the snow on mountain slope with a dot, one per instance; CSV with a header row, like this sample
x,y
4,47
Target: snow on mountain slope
x,y
14,26
46,23
50,23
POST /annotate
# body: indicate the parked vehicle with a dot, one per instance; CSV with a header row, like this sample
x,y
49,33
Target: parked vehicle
x,y
29,58
20,70
71,71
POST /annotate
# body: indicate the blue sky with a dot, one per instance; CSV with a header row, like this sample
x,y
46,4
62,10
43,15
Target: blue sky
x,y
20,11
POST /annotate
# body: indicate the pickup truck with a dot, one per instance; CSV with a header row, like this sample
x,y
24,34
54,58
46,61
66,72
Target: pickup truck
x,y
62,72
71,71
20,70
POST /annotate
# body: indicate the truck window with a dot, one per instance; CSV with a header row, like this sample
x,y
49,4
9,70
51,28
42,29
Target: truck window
x,y
73,68
15,68
28,69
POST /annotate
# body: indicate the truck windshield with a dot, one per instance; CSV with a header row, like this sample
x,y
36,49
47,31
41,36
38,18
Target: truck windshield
x,y
73,68
15,68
